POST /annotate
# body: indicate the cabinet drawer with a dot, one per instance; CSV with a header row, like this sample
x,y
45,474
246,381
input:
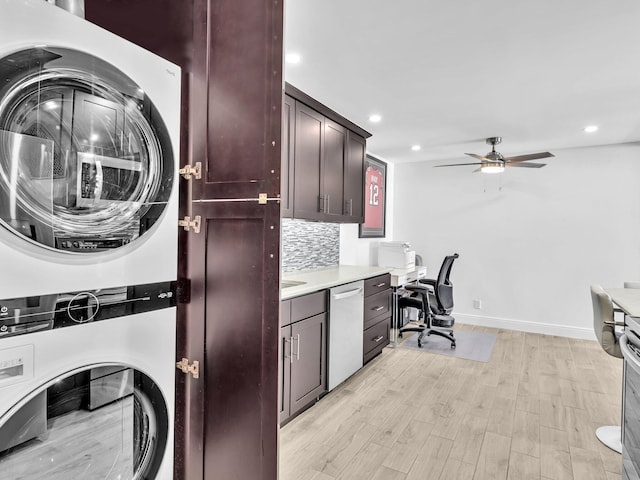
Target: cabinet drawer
x,y
375,336
376,306
308,305
377,284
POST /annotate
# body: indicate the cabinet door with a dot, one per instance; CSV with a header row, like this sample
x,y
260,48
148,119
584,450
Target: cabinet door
x,y
284,374
354,178
335,141
308,370
288,142
308,153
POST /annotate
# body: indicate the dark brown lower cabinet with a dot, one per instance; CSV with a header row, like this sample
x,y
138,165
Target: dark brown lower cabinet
x,y
377,315
302,365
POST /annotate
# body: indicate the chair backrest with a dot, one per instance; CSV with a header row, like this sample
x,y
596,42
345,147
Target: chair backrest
x,y
603,321
444,287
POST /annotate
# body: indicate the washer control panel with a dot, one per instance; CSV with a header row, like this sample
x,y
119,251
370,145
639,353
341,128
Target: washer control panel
x,y
45,312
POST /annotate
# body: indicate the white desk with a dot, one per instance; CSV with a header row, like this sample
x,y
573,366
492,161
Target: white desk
x,y
399,278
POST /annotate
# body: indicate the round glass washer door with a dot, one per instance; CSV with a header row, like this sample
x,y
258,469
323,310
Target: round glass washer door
x,y
86,163
100,422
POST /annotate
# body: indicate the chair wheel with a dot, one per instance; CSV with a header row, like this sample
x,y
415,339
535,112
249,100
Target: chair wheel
x,y
400,334
453,345
419,344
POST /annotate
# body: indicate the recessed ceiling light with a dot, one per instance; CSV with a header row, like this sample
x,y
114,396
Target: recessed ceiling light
x,y
416,148
375,118
591,128
292,58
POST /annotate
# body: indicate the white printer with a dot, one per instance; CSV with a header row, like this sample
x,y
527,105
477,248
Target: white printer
x,y
396,255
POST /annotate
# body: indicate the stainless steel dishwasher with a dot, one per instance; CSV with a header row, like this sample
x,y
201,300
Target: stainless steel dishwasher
x,y
346,321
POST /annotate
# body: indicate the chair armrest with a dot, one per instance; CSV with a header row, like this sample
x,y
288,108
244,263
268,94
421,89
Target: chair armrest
x,y
416,288
430,282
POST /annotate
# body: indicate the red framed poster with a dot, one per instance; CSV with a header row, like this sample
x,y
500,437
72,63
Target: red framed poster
x,y
375,195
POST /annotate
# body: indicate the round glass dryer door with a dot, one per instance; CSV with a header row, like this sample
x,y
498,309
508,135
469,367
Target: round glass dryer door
x,y
102,422
86,163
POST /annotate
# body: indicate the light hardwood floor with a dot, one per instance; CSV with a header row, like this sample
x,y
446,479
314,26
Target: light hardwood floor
x,y
529,413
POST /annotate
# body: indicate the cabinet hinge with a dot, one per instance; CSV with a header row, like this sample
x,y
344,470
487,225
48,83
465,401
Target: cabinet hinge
x,y
185,367
188,171
188,223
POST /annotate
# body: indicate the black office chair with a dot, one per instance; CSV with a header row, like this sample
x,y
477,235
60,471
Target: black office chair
x,y
434,300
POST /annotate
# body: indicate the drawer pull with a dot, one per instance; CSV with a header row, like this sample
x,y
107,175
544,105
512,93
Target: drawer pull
x,y
377,309
377,339
381,285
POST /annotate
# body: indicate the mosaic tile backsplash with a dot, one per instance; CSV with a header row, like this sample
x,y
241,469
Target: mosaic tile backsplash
x,y
309,244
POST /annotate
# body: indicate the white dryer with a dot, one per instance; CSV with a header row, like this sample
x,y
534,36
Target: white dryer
x,y
89,137
92,397
89,148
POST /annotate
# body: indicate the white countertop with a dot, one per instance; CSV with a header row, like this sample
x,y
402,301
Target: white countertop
x,y
628,299
327,277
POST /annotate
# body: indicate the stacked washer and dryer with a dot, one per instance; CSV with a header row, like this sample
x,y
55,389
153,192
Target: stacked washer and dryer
x,y
89,137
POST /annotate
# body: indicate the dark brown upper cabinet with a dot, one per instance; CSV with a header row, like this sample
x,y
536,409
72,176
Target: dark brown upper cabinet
x,y
288,143
354,177
324,161
307,158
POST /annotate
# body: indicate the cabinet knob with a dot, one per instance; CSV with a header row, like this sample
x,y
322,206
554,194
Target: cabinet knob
x,y
378,308
377,339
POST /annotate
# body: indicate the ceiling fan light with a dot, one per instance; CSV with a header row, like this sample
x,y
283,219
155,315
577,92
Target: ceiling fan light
x,y
492,169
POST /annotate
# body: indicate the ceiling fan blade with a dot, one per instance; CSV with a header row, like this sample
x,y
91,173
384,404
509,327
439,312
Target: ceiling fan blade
x,y
479,157
458,164
530,156
525,165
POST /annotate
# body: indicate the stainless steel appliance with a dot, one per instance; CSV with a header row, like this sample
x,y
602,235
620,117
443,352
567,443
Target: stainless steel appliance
x,y
630,346
346,326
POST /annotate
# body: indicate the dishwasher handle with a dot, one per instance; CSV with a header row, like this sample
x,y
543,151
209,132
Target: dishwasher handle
x,y
347,294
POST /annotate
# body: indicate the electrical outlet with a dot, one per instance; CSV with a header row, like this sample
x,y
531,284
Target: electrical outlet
x,y
477,304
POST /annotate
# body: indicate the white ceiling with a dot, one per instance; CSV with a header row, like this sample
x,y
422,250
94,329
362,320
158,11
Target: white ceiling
x,y
446,74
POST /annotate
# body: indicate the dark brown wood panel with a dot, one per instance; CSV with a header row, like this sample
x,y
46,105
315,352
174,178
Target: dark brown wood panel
x,y
376,306
242,336
354,178
308,305
333,166
375,339
167,28
288,167
242,66
308,370
377,284
284,374
309,153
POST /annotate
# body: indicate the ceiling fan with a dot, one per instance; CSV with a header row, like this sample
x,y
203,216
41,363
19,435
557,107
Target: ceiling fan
x,y
494,162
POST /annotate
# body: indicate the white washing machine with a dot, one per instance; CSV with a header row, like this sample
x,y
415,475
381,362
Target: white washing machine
x,y
92,397
89,148
89,137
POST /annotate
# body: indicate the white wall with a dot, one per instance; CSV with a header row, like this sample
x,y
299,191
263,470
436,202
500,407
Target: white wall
x,y
364,251
530,251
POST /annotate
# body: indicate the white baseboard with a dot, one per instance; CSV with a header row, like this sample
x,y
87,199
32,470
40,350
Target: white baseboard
x,y
526,326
